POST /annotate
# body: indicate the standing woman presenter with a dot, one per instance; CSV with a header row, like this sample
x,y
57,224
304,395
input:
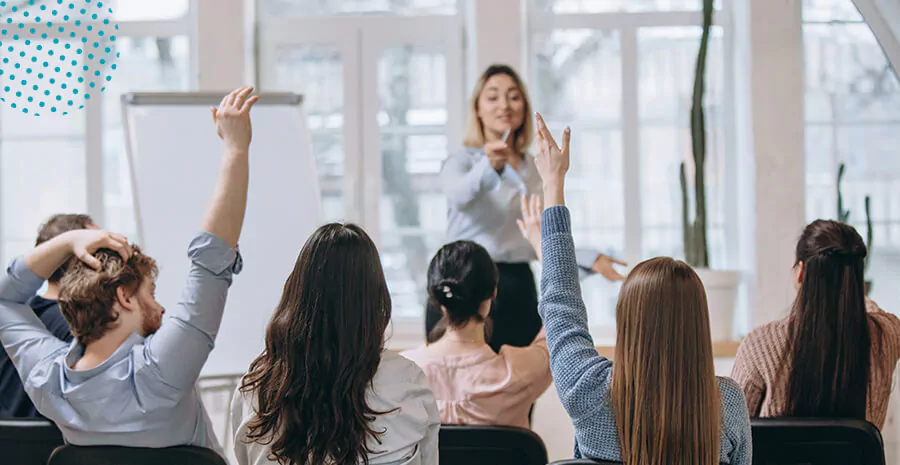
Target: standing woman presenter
x,y
484,183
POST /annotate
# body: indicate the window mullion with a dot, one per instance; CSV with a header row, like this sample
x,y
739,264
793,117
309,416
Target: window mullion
x,y
631,151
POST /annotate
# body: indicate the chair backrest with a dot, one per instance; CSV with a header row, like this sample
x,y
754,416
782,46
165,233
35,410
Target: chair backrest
x,y
790,441
28,441
490,445
115,455
583,462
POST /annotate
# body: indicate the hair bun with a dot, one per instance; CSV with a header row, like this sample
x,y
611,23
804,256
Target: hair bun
x,y
447,290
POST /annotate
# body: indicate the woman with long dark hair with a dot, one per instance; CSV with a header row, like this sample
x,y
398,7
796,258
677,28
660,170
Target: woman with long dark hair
x,y
834,355
325,391
472,384
660,402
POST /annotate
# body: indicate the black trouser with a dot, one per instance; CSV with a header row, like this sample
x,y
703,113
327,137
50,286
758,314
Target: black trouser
x,y
514,315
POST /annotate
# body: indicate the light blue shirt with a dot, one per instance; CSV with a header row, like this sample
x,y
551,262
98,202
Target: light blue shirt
x,y
144,394
483,206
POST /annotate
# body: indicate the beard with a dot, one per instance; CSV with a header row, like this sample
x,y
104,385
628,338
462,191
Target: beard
x,y
151,322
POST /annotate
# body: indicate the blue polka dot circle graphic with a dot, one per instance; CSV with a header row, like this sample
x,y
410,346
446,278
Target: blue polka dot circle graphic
x,y
55,55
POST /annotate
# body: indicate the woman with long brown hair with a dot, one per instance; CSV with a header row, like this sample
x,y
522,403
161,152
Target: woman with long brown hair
x,y
834,355
325,391
483,183
660,403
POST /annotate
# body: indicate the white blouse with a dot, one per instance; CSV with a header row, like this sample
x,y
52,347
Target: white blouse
x,y
411,431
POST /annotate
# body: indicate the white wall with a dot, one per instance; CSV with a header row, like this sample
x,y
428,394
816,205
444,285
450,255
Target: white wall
x,y
220,44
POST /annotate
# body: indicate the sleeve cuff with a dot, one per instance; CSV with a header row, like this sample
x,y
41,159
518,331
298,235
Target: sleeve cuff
x,y
586,258
556,220
489,178
584,274
212,253
28,283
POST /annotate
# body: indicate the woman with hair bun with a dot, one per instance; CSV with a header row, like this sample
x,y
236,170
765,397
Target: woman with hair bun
x,y
472,383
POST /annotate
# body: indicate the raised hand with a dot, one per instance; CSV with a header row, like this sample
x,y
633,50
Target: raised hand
x,y
85,242
530,224
552,162
232,118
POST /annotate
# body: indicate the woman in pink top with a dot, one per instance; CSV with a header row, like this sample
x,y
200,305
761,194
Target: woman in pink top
x,y
472,384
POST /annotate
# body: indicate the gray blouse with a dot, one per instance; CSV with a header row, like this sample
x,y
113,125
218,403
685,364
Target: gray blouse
x,y
483,206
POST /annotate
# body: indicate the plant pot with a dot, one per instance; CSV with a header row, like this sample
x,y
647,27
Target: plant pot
x,y
721,295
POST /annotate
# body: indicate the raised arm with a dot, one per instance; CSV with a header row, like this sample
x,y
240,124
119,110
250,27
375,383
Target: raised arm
x,y
534,364
183,343
580,373
23,335
225,215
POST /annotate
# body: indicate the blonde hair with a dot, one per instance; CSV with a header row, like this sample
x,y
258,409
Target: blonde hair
x,y
474,136
664,388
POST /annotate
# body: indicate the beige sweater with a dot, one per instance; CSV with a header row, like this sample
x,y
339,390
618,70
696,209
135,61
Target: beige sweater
x,y
758,366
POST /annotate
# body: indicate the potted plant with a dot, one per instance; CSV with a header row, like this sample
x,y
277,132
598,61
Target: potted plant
x,y
844,217
721,286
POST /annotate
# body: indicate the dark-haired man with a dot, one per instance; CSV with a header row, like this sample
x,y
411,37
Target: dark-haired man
x,y
14,402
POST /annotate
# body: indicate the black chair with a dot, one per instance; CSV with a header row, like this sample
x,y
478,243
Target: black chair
x,y
28,441
115,455
809,441
583,462
490,445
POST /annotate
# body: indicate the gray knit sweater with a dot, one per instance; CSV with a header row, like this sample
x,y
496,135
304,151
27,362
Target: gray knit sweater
x,y
582,376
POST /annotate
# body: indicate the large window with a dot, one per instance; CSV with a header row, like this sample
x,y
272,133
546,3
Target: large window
x,y
623,82
853,117
77,163
383,96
